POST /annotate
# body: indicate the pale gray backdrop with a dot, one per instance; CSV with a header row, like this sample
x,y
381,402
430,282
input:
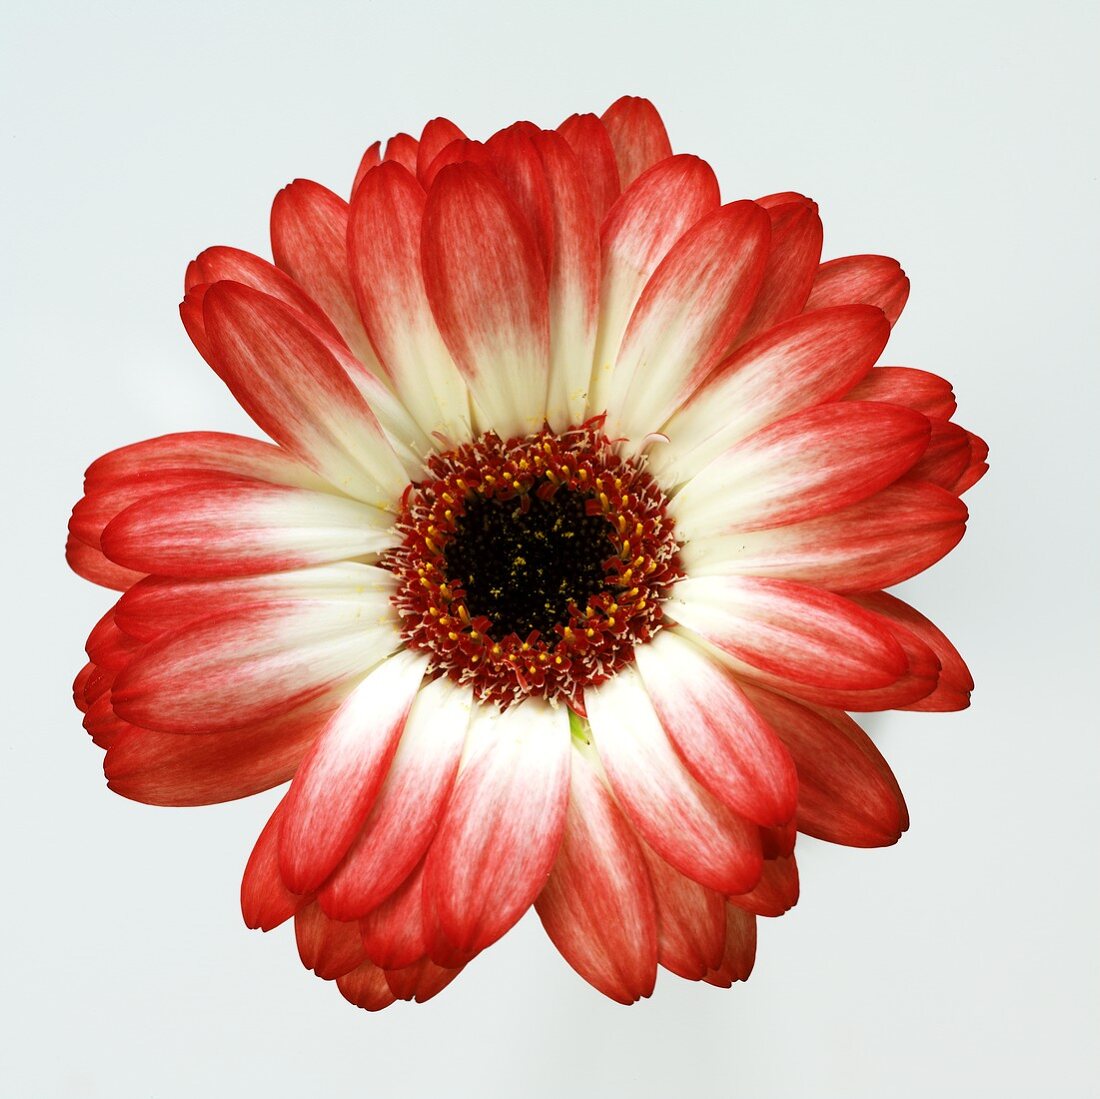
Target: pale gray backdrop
x,y
957,137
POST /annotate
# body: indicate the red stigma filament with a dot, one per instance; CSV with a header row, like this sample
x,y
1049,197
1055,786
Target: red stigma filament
x,y
533,565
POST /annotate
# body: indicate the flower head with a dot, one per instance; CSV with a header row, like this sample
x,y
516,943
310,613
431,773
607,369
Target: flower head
x,y
561,573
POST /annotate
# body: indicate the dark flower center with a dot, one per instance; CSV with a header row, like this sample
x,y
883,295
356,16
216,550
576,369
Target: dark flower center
x,y
528,568
533,565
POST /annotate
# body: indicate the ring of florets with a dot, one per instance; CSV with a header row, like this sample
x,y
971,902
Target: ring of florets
x,y
533,566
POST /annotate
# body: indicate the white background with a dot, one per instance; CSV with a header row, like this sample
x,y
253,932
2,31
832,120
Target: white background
x,y
959,138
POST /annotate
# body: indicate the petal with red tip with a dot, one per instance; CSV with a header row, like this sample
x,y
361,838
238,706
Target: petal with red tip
x,y
309,228
236,528
336,785
133,473
91,564
947,456
288,380
883,540
806,361
406,813
685,824
597,905
384,254
725,743
394,934
977,468
573,272
220,264
637,234
503,825
437,134
791,630
160,605
420,981
955,681
808,464
370,159
403,149
199,454
686,316
487,288
104,726
108,646
245,666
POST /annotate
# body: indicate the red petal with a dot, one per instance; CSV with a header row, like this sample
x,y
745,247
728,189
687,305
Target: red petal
x,y
109,647
597,906
740,949
233,669
691,921
978,467
637,135
955,681
637,234
573,273
587,136
371,159
791,630
420,981
916,389
725,743
199,455
384,253
238,528
220,264
265,901
292,386
792,263
686,316
487,287
809,464
775,893
89,562
502,828
436,136
806,361
161,605
309,229
406,813
207,768
328,947
404,149
876,543
336,785
366,987
847,793
687,826
394,934
872,280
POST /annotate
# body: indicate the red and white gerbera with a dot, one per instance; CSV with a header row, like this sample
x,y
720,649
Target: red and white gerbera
x,y
564,566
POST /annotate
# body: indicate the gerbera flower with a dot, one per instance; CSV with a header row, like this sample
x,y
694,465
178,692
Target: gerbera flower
x,y
560,575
